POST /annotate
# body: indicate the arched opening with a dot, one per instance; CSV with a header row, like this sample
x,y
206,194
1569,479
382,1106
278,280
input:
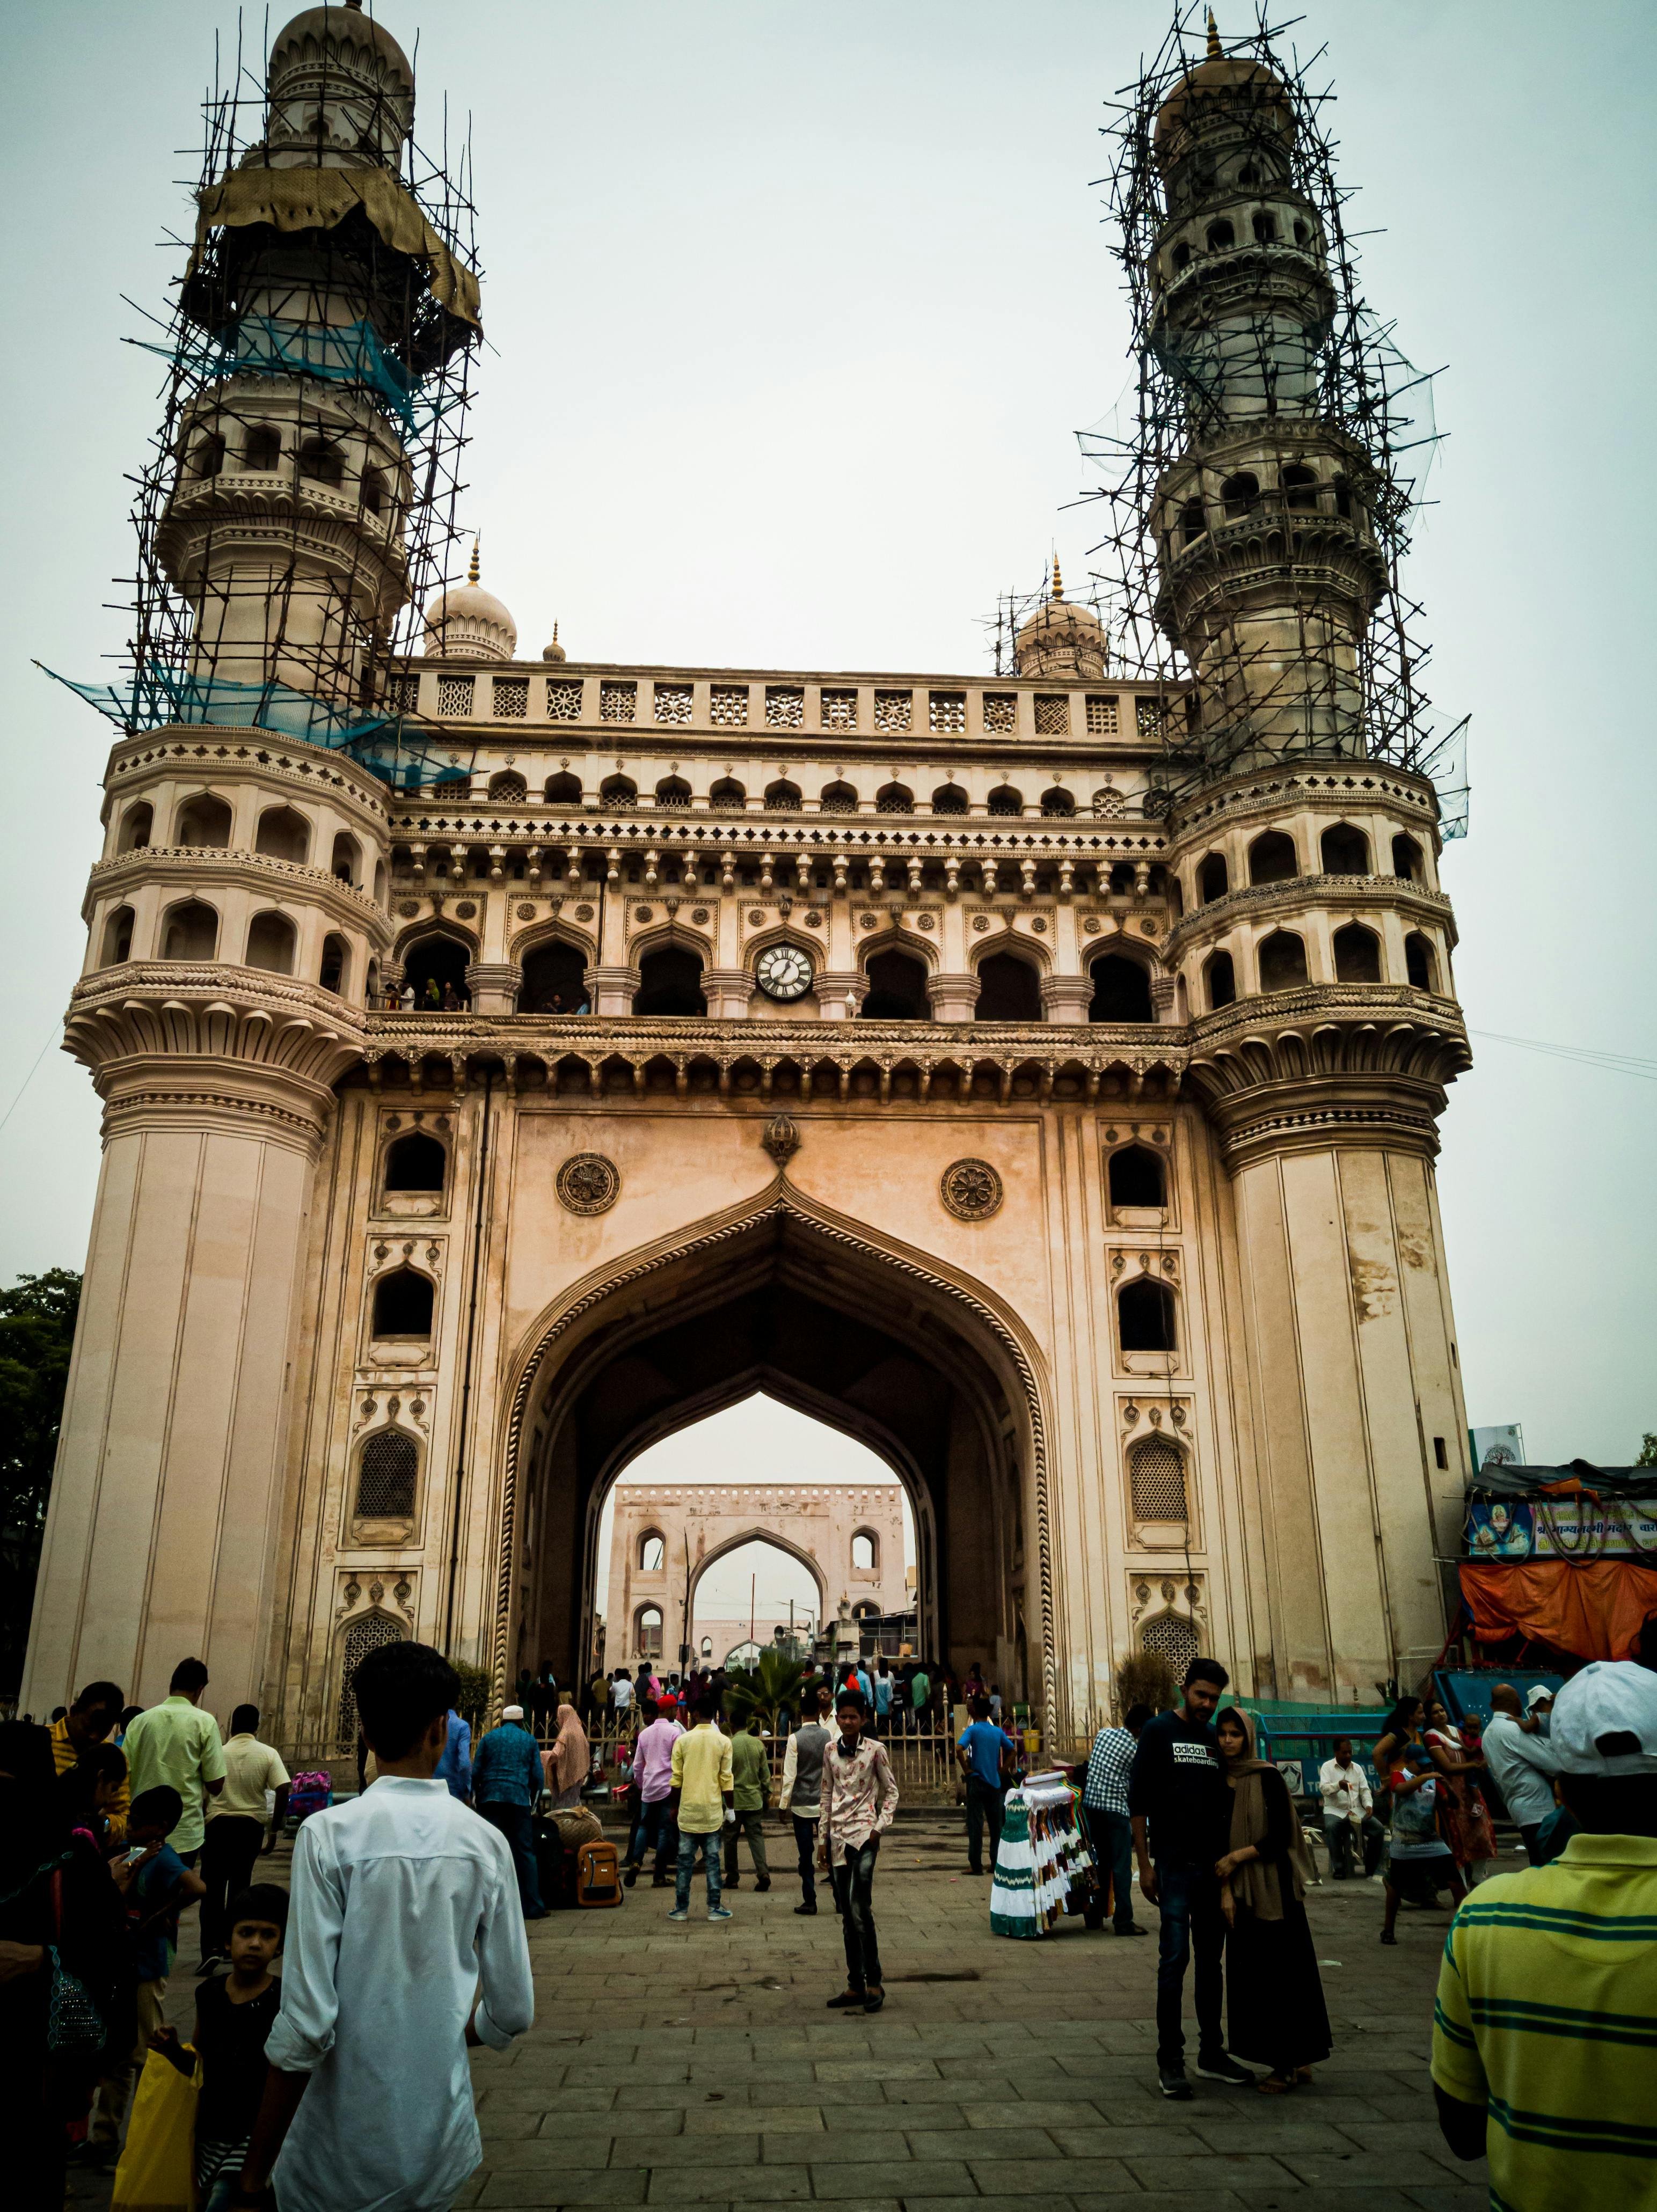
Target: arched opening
x,y
402,1305
1213,879
271,938
1344,498
322,462
1239,494
647,1631
838,799
726,795
555,980
782,798
1220,236
1272,859
1282,960
1005,802
652,1552
1300,486
336,960
117,938
673,790
261,449
894,799
1193,519
1009,990
203,820
1264,226
897,989
283,834
508,789
670,983
1357,955
1144,1315
207,455
1345,850
1420,965
416,1163
707,1353
865,1551
1219,981
1182,255
1135,1176
374,491
949,799
1170,1635
136,826
563,790
1406,859
435,967
1057,805
387,1469
365,1634
190,932
1122,990
618,791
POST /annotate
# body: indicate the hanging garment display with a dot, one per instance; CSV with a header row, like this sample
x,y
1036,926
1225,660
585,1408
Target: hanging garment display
x,y
1044,1867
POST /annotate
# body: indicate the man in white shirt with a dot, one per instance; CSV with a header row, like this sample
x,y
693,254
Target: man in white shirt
x,y
406,1944
1348,1813
238,1824
1521,1764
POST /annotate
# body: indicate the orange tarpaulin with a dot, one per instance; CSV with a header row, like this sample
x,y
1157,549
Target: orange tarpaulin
x,y
1595,1610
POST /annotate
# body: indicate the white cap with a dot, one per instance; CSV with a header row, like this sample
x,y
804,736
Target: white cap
x,y
1605,1720
1537,1694
512,1713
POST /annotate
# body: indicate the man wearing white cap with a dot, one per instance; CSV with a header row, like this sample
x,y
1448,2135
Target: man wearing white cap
x,y
1538,1707
506,1780
1545,2025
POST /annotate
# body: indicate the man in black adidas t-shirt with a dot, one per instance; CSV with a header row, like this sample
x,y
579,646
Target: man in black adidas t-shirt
x,y
1177,1788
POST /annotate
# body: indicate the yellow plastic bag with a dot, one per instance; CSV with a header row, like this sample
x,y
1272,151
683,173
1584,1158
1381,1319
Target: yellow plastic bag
x,y
157,2168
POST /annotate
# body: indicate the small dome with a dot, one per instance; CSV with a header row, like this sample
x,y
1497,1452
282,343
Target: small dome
x,y
341,91
1214,94
469,624
555,651
1060,639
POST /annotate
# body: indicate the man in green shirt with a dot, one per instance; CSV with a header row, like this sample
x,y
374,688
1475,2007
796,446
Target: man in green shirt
x,y
703,1787
920,1691
751,1764
176,1746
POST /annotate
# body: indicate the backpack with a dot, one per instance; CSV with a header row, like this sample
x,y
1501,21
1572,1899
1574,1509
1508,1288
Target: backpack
x,y
598,1875
310,1793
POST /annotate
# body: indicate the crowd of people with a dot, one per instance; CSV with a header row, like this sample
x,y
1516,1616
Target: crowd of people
x,y
902,1697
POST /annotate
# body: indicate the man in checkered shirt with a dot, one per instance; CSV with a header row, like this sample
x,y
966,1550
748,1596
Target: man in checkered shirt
x,y
1110,1830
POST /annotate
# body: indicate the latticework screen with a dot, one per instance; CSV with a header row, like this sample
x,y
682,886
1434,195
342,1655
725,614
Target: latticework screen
x,y
1156,1477
1174,1638
361,1637
385,1478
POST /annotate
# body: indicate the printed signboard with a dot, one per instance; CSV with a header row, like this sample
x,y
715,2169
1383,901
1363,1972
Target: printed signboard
x,y
1563,1529
1504,1447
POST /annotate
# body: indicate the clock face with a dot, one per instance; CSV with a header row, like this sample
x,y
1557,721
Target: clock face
x,y
782,971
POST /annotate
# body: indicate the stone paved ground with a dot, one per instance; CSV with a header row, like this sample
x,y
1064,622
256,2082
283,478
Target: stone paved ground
x,y
696,2065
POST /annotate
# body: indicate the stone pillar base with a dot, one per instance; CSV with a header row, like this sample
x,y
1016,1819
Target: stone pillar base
x,y
494,985
1066,998
840,992
727,991
613,989
952,998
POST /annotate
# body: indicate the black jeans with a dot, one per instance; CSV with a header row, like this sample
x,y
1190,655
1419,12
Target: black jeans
x,y
982,1803
805,1843
752,1825
1110,1835
854,1893
516,1824
657,1826
1188,1899
229,1850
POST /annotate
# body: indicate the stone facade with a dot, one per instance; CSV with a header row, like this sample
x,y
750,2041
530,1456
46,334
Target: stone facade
x,y
1075,1155
692,1527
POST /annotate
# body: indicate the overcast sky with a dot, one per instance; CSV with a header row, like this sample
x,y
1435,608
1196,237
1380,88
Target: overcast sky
x,y
795,310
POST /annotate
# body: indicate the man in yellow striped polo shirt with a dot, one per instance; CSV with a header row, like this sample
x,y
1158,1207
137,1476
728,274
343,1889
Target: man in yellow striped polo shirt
x,y
1544,2036
87,1723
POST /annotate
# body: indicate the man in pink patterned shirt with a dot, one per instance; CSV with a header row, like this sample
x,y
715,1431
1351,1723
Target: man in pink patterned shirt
x,y
653,1771
859,1797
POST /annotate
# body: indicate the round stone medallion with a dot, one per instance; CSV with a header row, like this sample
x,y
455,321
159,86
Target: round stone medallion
x,y
466,909
588,1184
971,1190
526,912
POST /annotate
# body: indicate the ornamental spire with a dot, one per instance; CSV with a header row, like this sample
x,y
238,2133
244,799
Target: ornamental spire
x,y
473,573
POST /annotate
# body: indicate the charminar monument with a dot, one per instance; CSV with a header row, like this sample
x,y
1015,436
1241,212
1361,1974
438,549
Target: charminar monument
x,y
508,1059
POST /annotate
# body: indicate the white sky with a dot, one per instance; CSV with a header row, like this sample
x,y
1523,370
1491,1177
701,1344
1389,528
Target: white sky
x,y
794,310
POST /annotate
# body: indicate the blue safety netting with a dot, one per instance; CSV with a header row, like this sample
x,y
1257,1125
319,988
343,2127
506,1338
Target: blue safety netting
x,y
387,746
261,345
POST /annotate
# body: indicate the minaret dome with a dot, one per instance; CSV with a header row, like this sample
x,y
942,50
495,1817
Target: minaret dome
x,y
469,624
341,93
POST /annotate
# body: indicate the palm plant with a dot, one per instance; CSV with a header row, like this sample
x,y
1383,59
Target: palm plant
x,y
772,1682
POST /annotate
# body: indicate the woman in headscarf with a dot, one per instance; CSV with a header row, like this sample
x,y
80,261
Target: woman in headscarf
x,y
567,1761
1464,1817
1277,2017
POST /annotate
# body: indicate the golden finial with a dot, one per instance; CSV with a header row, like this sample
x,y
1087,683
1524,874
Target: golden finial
x,y
1058,580
1213,38
555,632
474,571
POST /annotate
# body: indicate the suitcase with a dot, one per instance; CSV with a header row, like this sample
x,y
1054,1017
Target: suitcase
x,y
598,1875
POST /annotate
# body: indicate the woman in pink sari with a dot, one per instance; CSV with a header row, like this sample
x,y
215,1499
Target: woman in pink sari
x,y
568,1760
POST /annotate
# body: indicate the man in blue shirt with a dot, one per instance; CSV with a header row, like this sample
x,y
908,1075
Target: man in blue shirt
x,y
978,1750
507,1777
883,1687
454,1767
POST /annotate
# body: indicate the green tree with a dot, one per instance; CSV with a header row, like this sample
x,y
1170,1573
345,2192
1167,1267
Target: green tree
x,y
1646,1455
770,1683
37,1334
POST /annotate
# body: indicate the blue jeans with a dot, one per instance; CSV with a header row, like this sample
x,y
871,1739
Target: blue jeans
x,y
1188,1899
690,1843
1110,1835
515,1823
655,1829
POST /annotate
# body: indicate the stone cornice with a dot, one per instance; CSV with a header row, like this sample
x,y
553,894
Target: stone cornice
x,y
1275,900
208,751
1056,838
227,864
1337,787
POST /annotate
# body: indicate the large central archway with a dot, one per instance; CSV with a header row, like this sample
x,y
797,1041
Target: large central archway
x,y
789,1298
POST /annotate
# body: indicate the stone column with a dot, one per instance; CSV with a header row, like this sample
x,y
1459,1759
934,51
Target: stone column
x,y
952,998
835,986
727,991
1066,998
613,989
494,985
160,1543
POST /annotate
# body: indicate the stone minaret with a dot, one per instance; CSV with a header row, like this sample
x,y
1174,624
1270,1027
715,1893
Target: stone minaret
x,y
1314,954
238,912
